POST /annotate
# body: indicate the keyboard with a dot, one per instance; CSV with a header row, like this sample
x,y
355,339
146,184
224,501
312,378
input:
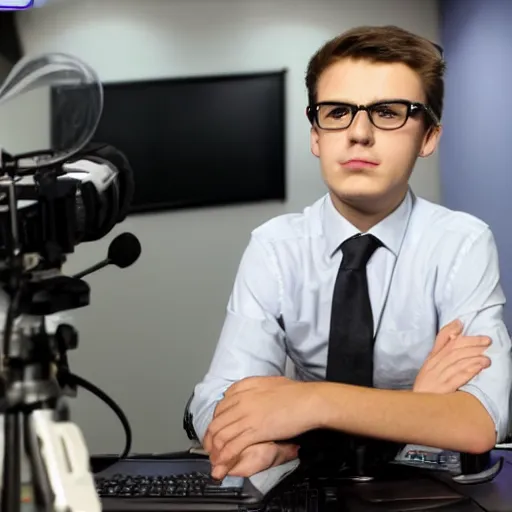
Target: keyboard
x,y
184,485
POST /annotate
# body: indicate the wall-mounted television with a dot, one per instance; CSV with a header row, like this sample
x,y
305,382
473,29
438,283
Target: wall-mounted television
x,y
200,141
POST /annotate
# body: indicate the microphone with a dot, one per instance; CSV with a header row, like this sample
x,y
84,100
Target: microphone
x,y
123,251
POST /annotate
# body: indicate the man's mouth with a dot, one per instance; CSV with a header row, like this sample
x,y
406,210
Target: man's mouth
x,y
359,163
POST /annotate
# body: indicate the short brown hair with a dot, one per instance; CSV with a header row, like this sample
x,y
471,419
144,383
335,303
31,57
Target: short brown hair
x,y
384,44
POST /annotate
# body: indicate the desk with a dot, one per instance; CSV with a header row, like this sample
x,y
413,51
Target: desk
x,y
401,489
495,496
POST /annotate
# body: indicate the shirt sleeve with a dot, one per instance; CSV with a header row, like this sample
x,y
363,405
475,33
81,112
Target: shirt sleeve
x,y
474,295
252,341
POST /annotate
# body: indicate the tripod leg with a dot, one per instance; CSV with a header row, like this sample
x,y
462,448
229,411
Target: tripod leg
x,y
11,487
43,494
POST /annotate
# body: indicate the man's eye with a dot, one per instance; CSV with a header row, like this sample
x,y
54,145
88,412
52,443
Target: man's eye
x,y
387,111
338,112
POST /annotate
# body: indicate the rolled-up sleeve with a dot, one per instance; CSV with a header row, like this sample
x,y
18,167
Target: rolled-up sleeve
x,y
252,341
474,295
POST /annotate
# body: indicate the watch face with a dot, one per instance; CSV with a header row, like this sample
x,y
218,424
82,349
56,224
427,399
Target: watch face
x,y
15,4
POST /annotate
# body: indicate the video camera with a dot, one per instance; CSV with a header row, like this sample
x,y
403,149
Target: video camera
x,y
50,201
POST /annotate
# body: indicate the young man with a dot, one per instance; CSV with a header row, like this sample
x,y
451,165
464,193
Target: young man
x,y
442,366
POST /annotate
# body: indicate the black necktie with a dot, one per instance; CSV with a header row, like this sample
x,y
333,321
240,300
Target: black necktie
x,y
349,361
350,354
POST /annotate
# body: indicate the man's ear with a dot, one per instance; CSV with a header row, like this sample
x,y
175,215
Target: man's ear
x,y
313,135
431,140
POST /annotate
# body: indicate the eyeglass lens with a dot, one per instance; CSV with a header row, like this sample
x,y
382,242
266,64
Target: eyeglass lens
x,y
386,116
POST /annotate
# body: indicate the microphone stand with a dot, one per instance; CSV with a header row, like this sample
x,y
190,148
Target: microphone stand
x,y
94,268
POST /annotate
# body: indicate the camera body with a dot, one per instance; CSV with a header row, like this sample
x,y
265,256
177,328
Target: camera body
x,y
48,217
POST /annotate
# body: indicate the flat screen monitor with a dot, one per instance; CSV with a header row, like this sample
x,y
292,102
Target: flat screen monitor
x,y
199,141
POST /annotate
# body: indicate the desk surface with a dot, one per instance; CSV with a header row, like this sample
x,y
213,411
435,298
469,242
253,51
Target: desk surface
x,y
402,490
495,496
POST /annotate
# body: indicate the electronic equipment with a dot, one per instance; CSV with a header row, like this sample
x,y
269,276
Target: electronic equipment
x,y
51,201
185,484
229,146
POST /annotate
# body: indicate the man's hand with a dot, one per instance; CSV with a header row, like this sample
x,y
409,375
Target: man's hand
x,y
453,362
258,410
256,458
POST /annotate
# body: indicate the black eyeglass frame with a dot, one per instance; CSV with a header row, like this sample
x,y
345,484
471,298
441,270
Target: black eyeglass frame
x,y
413,108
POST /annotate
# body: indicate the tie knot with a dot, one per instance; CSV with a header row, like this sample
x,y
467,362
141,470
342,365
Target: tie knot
x,y
358,250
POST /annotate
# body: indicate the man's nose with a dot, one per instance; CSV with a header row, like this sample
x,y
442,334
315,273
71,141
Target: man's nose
x,y
361,130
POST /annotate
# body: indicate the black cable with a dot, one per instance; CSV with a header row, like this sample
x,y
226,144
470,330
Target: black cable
x,y
74,380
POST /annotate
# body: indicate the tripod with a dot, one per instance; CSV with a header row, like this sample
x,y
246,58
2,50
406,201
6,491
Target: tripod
x,y
56,452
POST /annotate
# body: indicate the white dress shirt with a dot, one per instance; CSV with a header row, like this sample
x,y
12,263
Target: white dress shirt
x,y
436,265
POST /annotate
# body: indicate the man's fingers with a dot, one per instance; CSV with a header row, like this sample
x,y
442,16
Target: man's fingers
x,y
219,427
469,341
251,383
453,357
224,437
478,361
445,335
458,354
220,471
460,374
224,405
235,446
287,452
253,461
245,467
437,354
257,458
449,331
207,441
460,347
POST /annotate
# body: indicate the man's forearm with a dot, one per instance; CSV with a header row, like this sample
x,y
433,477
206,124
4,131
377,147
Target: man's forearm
x,y
454,421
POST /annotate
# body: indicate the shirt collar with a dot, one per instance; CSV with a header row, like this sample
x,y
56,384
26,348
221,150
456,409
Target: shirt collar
x,y
390,231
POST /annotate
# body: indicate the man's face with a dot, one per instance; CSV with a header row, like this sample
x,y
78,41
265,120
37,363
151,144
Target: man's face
x,y
379,184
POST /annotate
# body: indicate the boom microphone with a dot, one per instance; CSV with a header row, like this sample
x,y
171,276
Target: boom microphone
x,y
123,251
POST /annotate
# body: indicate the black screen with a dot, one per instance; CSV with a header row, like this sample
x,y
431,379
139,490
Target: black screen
x,y
197,141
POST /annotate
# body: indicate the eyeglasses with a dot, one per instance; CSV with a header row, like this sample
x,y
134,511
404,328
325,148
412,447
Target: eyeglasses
x,y
385,115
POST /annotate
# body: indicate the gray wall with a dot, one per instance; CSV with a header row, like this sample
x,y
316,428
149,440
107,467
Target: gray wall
x,y
475,163
150,331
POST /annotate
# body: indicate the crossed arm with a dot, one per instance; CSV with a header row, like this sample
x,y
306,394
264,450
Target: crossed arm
x,y
457,402
259,410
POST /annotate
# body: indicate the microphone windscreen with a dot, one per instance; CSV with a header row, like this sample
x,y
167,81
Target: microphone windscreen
x,y
124,250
